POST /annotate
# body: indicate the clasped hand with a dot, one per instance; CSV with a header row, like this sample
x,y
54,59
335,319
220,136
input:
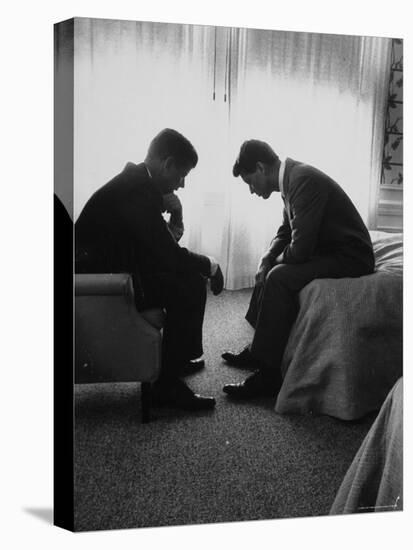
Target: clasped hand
x,y
263,268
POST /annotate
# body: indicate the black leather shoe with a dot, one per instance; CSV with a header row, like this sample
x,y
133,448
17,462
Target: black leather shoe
x,y
256,385
177,395
242,359
191,367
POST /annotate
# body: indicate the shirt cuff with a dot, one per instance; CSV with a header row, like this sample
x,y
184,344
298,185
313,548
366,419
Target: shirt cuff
x,y
214,265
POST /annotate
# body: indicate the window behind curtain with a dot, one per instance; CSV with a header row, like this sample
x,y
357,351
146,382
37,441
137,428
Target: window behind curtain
x,y
316,98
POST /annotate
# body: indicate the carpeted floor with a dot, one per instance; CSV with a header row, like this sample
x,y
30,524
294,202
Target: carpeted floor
x,y
239,462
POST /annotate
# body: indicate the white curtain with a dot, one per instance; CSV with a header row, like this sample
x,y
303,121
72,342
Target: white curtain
x,y
133,79
316,98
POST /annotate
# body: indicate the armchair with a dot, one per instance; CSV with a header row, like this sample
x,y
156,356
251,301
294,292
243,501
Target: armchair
x,y
114,342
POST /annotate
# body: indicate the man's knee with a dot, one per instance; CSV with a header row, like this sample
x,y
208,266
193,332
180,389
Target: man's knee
x,y
278,274
194,288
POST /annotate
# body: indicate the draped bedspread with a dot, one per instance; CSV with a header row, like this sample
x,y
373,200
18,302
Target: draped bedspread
x,y
374,481
344,353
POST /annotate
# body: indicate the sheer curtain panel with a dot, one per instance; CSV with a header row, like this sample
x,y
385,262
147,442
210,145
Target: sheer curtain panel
x,y
316,98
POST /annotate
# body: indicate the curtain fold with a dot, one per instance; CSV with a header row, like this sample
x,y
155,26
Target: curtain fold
x,y
316,98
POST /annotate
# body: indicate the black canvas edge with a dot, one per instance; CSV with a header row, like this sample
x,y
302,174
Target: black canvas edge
x,y
63,384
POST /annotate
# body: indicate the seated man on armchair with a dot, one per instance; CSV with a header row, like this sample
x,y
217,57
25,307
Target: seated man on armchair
x,y
121,229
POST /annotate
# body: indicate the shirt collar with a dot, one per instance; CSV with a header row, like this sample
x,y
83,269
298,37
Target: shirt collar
x,y
281,177
149,172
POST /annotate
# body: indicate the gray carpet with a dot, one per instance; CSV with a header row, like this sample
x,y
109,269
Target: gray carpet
x,y
239,462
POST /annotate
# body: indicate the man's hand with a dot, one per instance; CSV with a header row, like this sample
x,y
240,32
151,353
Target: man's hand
x,y
172,204
176,230
217,282
279,259
263,268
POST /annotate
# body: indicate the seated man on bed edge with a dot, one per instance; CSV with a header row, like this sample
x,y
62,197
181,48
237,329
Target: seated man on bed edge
x,y
322,236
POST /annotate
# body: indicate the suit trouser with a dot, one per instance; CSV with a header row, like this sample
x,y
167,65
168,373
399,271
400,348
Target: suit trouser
x,y
274,304
183,296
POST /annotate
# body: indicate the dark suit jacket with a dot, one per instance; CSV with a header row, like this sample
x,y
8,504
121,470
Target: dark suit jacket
x,y
121,229
319,219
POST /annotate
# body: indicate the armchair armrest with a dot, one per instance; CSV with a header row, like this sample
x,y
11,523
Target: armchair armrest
x,y
103,284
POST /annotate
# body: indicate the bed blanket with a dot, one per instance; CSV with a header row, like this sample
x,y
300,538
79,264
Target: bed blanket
x,y
374,481
344,352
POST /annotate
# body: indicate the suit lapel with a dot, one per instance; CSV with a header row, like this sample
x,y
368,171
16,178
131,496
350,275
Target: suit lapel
x,y
289,164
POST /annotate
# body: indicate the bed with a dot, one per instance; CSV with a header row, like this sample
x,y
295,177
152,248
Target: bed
x,y
374,481
344,352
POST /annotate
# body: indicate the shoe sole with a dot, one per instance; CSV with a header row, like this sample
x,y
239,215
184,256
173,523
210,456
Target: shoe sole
x,y
241,364
189,371
239,396
168,405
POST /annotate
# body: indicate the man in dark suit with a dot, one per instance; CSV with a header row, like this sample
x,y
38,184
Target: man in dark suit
x,y
121,229
322,236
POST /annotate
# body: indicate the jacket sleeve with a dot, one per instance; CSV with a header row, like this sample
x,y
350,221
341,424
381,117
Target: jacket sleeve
x,y
146,223
282,238
307,200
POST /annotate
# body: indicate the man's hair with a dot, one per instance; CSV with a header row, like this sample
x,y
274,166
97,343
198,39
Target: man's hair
x,y
170,143
251,152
